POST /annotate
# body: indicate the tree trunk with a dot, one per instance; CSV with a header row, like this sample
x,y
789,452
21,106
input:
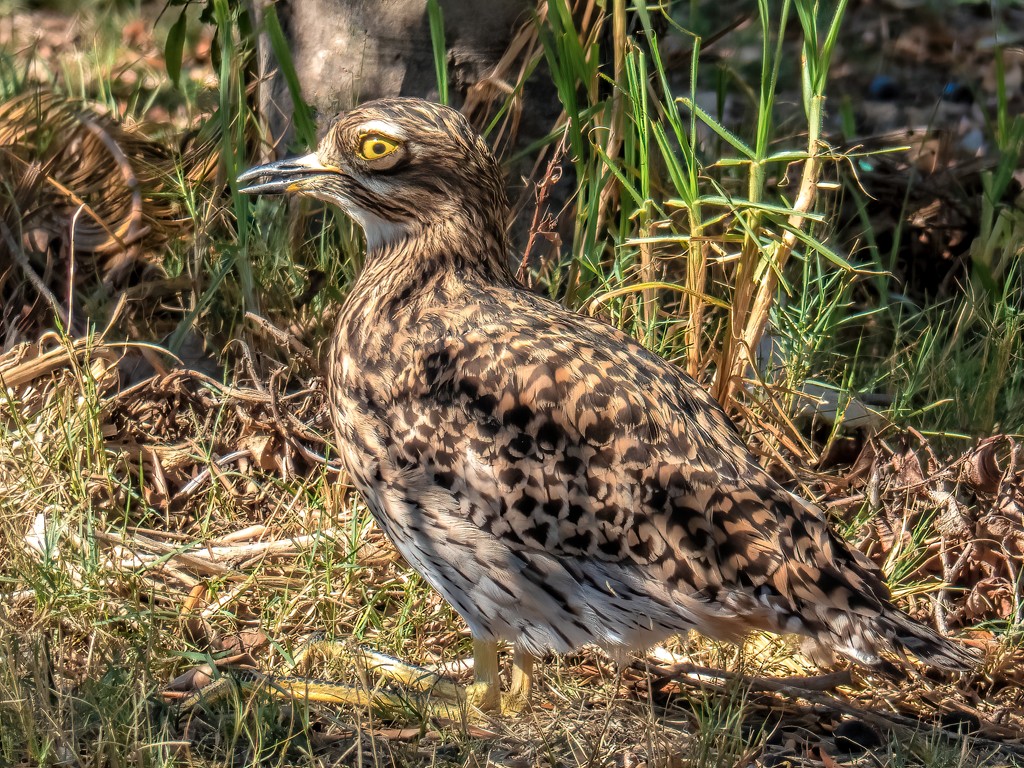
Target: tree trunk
x,y
349,51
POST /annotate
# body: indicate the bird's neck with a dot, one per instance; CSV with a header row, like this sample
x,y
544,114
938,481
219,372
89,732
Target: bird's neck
x,y
417,264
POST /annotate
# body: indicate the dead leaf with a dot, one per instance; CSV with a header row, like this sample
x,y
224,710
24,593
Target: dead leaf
x,y
244,642
991,596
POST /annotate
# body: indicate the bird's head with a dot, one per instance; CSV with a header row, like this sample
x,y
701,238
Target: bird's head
x,y
397,167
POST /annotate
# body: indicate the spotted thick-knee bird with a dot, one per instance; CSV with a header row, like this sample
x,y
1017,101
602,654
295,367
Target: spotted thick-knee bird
x,y
555,481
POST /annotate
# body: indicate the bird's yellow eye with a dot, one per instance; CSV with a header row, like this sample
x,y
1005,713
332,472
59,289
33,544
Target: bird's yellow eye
x,y
373,146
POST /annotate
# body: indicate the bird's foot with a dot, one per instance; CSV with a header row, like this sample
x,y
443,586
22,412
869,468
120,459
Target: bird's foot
x,y
486,699
483,697
518,697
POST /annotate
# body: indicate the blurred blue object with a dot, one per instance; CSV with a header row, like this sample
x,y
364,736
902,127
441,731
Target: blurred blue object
x,y
958,93
883,88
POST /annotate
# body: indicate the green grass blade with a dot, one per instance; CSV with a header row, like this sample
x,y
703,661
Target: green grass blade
x,y
302,116
437,42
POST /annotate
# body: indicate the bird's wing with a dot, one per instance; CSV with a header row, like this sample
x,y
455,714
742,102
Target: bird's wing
x,y
567,442
571,439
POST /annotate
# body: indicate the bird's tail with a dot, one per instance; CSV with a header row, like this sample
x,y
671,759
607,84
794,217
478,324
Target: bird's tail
x,y
905,634
855,617
867,637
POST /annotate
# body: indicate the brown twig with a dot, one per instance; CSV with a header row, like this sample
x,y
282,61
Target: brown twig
x,y
280,336
21,259
792,685
552,175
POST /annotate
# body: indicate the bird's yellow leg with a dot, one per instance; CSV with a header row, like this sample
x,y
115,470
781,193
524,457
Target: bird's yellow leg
x,y
518,697
485,692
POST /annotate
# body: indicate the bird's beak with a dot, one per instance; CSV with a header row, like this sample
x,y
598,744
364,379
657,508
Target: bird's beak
x,y
291,175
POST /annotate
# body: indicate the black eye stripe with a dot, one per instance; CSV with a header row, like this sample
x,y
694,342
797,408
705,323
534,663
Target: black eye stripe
x,y
383,207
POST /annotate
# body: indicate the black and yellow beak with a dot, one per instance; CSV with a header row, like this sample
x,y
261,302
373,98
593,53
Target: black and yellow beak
x,y
292,175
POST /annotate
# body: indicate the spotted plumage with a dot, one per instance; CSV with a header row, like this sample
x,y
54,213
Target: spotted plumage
x,y
555,481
